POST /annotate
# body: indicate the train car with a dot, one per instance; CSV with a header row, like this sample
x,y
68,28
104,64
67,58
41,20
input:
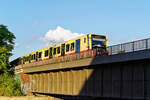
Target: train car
x,y
83,44
39,55
78,45
33,57
58,51
26,59
46,54
99,44
50,54
89,42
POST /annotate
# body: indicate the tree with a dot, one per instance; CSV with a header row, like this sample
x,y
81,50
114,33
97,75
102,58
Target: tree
x,y
9,86
6,39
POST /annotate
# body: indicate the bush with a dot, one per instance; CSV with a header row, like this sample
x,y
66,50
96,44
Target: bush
x,y
9,86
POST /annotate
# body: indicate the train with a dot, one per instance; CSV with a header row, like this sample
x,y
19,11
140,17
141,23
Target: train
x,y
81,44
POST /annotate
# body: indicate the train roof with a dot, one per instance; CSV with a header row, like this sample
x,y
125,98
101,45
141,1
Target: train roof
x,y
78,38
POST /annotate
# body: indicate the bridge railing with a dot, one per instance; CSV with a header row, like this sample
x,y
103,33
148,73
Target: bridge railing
x,y
129,47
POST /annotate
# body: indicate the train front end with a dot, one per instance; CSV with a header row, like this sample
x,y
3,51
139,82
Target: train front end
x,y
99,44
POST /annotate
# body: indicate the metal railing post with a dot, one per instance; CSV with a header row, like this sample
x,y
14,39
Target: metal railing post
x,y
146,43
121,47
133,46
111,50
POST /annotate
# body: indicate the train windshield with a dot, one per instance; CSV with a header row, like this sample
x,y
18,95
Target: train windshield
x,y
98,41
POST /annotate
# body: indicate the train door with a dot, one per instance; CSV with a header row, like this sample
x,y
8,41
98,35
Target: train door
x,y
77,50
51,52
37,56
63,49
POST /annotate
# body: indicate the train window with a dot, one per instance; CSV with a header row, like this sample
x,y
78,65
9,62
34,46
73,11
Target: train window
x,y
23,60
34,56
40,54
67,47
72,46
46,53
58,50
26,58
30,58
50,52
84,40
54,51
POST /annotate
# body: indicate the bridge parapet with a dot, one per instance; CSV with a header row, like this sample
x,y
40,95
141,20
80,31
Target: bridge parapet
x,y
130,46
81,62
57,61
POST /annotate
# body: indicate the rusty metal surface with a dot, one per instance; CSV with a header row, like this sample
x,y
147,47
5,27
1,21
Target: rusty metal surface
x,y
62,82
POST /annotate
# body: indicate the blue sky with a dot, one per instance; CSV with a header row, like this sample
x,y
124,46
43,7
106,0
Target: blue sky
x,y
29,20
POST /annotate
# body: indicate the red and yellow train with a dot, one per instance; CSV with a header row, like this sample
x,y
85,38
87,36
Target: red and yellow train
x,y
81,44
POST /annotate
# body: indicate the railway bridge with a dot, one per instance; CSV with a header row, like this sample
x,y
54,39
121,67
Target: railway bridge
x,y
123,74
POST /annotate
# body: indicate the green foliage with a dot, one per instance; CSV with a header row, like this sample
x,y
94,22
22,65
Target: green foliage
x,y
4,60
6,38
9,86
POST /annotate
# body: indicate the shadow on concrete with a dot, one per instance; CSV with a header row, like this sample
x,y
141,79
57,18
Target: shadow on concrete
x,y
124,79
119,77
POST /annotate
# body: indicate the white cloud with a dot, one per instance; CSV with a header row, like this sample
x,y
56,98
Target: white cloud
x,y
59,35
